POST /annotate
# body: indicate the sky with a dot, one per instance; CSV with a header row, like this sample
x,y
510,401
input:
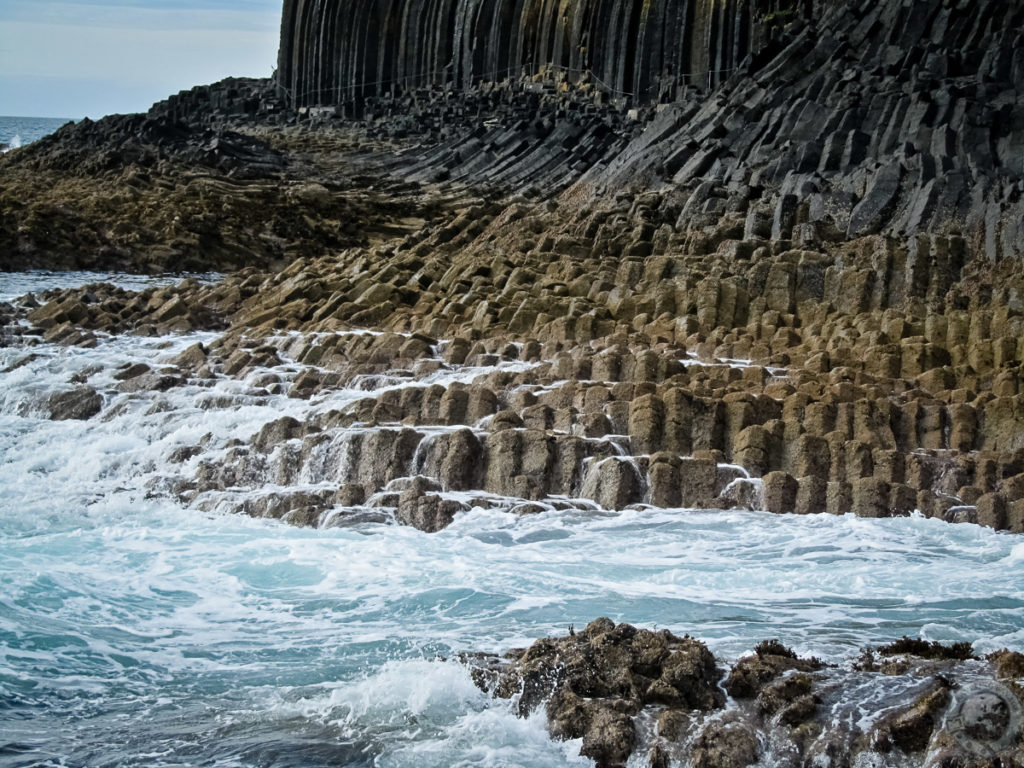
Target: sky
x,y
89,58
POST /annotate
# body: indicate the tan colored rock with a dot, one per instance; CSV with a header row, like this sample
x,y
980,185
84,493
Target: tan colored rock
x,y
1015,517
614,483
191,358
697,481
992,511
838,498
811,495
419,507
663,480
870,497
780,492
647,424
455,459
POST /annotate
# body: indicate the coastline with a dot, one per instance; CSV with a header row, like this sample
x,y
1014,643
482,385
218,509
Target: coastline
x,y
522,314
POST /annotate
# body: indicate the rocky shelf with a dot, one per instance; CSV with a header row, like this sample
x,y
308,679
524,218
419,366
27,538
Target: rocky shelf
x,y
799,291
524,388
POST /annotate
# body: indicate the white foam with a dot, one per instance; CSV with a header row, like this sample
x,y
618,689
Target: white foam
x,y
133,598
16,284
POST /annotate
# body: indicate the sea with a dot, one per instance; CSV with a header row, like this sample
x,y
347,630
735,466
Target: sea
x,y
136,630
18,131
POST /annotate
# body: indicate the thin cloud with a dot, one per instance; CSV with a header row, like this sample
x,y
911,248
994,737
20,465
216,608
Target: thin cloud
x,y
130,53
145,15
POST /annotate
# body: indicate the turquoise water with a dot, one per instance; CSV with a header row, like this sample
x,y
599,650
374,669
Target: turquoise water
x,y
138,632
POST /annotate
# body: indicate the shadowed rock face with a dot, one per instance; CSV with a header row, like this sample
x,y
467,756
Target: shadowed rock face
x,y
866,117
334,51
808,122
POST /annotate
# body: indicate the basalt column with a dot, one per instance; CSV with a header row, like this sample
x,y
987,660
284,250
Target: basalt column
x,y
339,51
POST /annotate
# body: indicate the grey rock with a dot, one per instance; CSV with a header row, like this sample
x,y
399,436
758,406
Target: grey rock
x,y
79,403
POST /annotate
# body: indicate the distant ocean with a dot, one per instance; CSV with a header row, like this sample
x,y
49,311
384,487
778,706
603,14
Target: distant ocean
x,y
19,131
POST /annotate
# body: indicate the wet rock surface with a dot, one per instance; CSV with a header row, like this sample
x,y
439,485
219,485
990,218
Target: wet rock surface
x,y
78,403
654,698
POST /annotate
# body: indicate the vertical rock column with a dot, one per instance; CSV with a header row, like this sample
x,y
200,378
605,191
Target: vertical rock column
x,y
341,51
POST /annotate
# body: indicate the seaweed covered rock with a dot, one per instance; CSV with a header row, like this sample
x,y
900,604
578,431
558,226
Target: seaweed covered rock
x,y
594,681
770,660
927,649
627,692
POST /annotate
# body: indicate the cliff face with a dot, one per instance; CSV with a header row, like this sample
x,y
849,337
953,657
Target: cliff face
x,y
895,117
858,118
813,122
334,51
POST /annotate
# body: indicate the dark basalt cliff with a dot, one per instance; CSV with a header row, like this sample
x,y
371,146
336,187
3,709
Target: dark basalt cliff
x,y
873,117
334,51
850,118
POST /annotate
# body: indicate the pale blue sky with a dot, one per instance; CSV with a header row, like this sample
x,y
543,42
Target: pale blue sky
x,y
89,58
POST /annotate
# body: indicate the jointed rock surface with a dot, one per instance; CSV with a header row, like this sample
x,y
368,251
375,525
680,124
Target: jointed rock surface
x,y
688,319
